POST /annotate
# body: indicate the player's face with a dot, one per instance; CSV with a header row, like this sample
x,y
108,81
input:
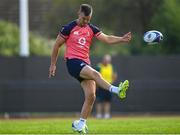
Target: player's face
x,y
83,20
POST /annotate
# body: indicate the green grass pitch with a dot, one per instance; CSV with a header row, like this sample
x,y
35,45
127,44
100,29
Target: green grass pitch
x,y
121,125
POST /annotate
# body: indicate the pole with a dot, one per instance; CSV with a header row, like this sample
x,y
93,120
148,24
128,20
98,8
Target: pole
x,y
24,28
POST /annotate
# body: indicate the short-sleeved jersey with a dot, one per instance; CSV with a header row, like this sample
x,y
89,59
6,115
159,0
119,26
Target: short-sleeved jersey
x,y
78,40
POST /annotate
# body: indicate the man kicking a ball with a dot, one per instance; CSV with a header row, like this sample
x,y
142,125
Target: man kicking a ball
x,y
77,36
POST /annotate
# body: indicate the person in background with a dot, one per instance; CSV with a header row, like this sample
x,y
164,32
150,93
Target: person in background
x,y
103,103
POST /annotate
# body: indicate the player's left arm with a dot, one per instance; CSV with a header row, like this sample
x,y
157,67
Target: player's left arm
x,y
111,39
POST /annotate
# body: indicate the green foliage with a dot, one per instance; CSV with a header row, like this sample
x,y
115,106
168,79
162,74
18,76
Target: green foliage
x,y
40,46
9,41
167,20
99,49
62,12
117,17
138,46
112,17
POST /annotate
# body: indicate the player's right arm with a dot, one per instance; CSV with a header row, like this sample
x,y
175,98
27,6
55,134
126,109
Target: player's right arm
x,y
60,40
58,43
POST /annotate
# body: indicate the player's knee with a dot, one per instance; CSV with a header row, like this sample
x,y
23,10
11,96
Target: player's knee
x,y
92,97
96,75
93,83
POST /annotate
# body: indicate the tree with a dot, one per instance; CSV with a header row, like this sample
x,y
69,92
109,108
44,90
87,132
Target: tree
x,y
167,20
9,41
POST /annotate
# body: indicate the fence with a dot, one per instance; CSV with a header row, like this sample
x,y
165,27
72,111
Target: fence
x,y
25,87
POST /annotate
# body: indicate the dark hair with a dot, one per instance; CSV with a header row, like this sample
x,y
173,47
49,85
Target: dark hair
x,y
86,9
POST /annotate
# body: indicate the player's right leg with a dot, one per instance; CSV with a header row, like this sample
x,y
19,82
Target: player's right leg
x,y
89,88
89,73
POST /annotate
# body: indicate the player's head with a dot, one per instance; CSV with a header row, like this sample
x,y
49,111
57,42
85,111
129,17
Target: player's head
x,y
106,59
84,14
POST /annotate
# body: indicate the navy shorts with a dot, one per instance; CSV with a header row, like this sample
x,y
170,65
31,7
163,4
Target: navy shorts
x,y
103,95
74,67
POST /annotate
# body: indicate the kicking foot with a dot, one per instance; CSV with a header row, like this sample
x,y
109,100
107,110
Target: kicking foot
x,y
123,87
76,128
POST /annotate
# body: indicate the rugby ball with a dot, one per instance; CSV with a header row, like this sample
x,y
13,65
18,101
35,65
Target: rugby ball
x,y
153,37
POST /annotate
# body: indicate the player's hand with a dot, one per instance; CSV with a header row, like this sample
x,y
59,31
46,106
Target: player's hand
x,y
52,70
127,37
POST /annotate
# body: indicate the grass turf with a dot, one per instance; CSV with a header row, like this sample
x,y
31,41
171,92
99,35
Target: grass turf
x,y
122,125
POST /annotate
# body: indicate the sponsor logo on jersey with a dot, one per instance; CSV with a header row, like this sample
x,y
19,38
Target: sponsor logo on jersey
x,y
76,33
82,41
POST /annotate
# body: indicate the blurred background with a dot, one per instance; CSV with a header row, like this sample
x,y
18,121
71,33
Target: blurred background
x,y
153,70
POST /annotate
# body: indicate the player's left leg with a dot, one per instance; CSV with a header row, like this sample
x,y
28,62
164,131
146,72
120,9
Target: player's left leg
x,y
88,72
89,88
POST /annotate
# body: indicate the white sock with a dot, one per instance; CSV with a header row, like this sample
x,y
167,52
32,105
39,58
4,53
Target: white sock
x,y
114,89
82,122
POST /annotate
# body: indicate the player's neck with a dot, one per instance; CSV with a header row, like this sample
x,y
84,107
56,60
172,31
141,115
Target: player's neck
x,y
80,24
